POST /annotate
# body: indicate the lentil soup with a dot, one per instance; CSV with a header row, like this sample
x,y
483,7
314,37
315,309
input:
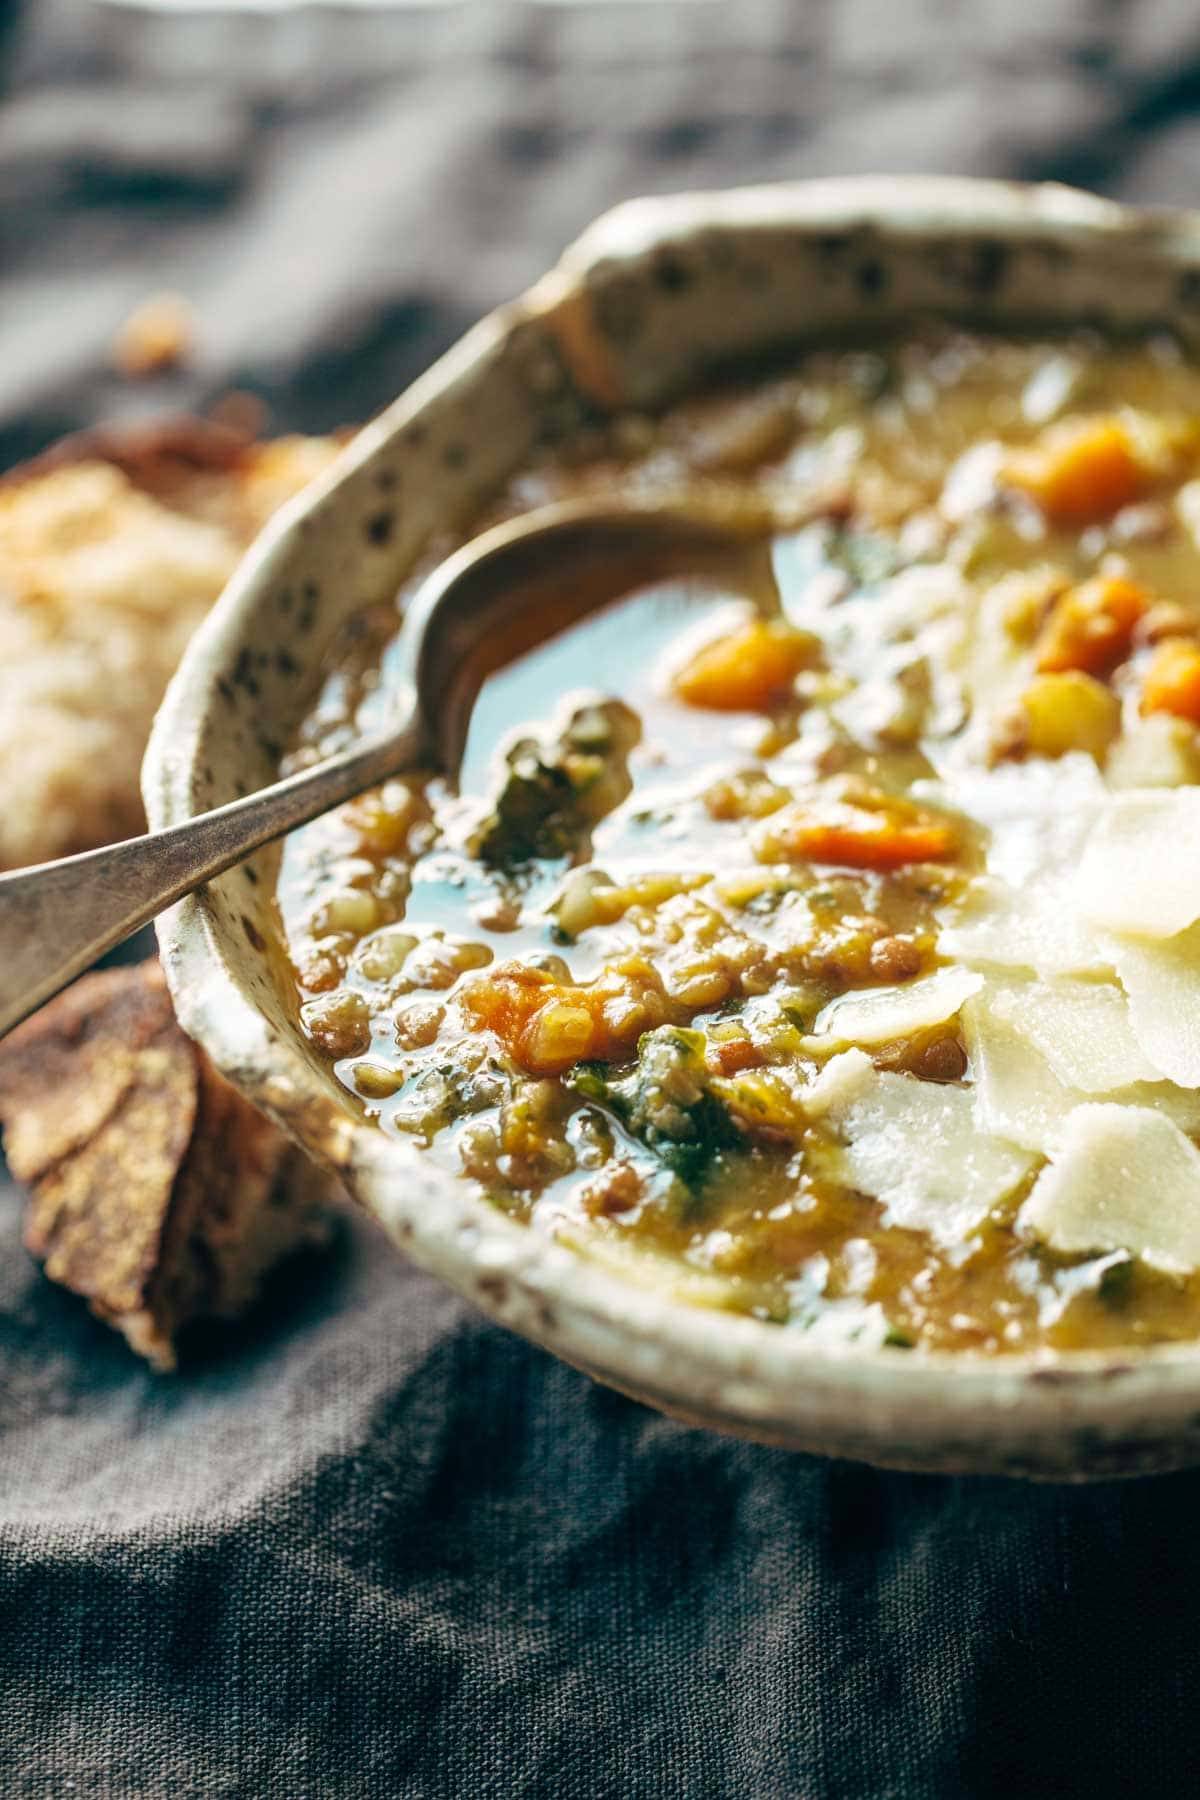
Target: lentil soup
x,y
829,955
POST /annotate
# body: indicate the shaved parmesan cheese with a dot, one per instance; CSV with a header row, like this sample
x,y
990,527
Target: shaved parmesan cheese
x,y
1157,751
842,1079
880,1015
1018,1095
1023,914
1141,869
1032,927
1178,1103
1083,1030
1162,981
1038,814
1124,1178
918,1148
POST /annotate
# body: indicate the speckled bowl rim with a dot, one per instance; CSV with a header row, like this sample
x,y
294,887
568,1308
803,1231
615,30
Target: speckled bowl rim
x,y
1072,1416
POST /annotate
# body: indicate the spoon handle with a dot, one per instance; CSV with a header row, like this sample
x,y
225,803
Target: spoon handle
x,y
57,918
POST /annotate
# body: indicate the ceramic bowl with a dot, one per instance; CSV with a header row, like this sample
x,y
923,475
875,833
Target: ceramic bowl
x,y
649,300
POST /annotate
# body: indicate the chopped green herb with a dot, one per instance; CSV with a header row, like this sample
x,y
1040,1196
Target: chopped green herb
x,y
1116,1280
666,1102
555,791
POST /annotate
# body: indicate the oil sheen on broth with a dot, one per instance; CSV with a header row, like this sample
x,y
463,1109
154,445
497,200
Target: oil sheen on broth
x,y
834,961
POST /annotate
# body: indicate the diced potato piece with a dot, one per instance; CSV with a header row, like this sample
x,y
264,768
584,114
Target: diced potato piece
x,y
865,832
1080,470
1091,626
1172,682
1067,712
748,669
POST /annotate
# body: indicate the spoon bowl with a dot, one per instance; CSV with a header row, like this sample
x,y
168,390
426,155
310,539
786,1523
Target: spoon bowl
x,y
499,596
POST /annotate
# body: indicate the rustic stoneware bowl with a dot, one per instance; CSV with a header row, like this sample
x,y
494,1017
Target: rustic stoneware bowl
x,y
637,311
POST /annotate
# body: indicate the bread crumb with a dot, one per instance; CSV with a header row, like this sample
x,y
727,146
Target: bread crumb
x,y
157,336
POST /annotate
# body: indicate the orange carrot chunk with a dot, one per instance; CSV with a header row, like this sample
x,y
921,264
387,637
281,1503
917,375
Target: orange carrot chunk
x,y
547,1026
1172,681
1091,626
1082,469
856,835
749,669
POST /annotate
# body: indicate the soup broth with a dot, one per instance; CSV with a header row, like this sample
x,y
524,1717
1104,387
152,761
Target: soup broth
x,y
827,955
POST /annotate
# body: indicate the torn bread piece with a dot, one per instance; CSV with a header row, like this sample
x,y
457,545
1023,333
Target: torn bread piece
x,y
113,546
156,1192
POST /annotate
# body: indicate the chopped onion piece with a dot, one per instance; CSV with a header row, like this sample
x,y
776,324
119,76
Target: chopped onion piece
x,y
880,1015
1140,872
1123,1178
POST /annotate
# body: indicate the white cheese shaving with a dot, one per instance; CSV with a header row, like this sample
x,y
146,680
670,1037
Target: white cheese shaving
x,y
917,1147
1083,1030
842,1080
1031,927
1023,913
1157,751
1124,1178
880,1015
1162,981
1140,872
1018,1095
1038,814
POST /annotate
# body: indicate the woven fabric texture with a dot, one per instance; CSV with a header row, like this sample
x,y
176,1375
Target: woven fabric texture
x,y
367,1544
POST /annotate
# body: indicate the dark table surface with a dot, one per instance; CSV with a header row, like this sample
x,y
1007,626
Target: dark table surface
x,y
368,1544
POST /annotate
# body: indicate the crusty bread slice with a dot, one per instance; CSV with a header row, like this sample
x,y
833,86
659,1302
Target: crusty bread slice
x,y
156,1191
112,548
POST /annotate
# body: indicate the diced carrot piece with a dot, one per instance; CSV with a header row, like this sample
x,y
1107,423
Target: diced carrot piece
x,y
506,998
1091,626
856,836
1172,682
548,1026
1082,469
748,669
730,1056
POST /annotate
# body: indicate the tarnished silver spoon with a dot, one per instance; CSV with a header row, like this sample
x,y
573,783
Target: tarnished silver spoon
x,y
502,594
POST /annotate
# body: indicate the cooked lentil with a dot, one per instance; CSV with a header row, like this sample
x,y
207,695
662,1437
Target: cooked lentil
x,y
615,981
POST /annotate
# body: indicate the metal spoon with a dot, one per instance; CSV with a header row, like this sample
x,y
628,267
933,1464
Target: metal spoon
x,y
505,592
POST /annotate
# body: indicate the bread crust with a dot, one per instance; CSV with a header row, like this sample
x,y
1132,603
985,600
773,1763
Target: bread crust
x,y
113,545
156,1192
